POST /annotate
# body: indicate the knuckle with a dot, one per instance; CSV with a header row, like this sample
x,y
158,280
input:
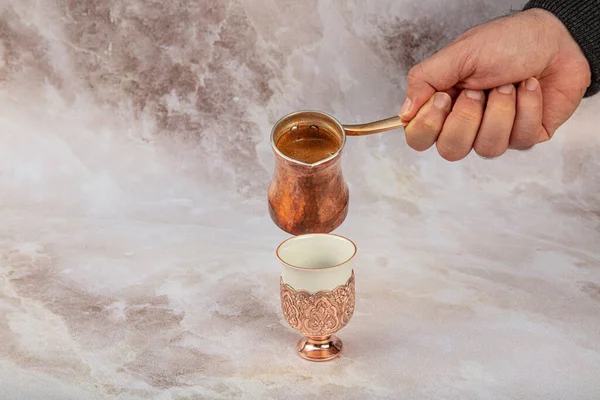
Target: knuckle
x,y
505,110
490,145
465,117
488,141
488,150
521,145
431,125
416,141
448,152
417,145
523,139
415,73
533,108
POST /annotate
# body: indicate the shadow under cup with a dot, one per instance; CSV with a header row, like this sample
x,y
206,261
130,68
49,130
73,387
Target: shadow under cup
x,y
317,291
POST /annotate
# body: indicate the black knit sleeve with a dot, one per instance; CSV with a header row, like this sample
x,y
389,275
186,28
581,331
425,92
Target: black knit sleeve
x,y
582,19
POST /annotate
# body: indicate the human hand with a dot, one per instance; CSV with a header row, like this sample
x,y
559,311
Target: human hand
x,y
534,70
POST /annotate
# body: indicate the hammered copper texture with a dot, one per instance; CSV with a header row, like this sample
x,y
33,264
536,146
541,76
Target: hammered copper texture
x,y
308,199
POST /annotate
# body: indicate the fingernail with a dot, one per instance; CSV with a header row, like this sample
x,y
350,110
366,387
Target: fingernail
x,y
405,107
506,89
441,100
474,94
531,84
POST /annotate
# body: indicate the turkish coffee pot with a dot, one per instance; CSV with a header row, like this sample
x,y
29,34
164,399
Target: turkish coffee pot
x,y
308,194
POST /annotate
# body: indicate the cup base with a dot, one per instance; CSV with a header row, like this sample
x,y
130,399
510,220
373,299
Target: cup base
x,y
319,348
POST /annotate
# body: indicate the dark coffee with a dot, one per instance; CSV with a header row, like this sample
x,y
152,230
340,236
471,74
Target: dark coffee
x,y
308,144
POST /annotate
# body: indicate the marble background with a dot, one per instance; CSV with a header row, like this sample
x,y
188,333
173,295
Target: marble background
x,y
137,256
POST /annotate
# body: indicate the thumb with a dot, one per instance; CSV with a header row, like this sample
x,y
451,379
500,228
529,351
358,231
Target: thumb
x,y
438,73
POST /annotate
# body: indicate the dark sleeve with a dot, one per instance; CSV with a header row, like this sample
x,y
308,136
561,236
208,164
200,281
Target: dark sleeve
x,y
582,19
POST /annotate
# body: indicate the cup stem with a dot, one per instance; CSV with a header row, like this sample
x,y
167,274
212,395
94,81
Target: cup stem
x,y
319,348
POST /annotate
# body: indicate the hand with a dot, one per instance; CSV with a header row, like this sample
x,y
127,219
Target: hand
x,y
534,70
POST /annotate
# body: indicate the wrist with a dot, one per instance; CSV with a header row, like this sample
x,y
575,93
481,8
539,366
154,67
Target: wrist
x,y
550,26
567,47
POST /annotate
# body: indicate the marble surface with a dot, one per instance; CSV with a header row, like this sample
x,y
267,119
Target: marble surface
x,y
137,256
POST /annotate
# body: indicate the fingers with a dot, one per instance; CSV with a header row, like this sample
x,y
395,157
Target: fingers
x,y
423,130
438,73
511,118
460,129
495,130
527,130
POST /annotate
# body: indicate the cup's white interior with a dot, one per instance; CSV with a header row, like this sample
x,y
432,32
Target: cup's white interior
x,y
316,261
316,251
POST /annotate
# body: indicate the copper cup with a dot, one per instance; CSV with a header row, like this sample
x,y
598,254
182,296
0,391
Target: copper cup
x,y
317,291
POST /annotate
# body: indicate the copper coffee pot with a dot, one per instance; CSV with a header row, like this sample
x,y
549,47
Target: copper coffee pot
x,y
313,198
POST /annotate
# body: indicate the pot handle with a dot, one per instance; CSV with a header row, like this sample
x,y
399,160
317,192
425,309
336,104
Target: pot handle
x,y
375,127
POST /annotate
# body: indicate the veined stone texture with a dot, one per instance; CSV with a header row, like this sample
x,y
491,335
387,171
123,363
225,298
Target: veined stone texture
x,y
136,251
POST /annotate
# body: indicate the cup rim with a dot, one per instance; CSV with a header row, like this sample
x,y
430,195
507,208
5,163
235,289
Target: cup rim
x,y
323,161
316,234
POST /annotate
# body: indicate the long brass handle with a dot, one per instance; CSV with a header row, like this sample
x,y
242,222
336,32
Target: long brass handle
x,y
374,127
